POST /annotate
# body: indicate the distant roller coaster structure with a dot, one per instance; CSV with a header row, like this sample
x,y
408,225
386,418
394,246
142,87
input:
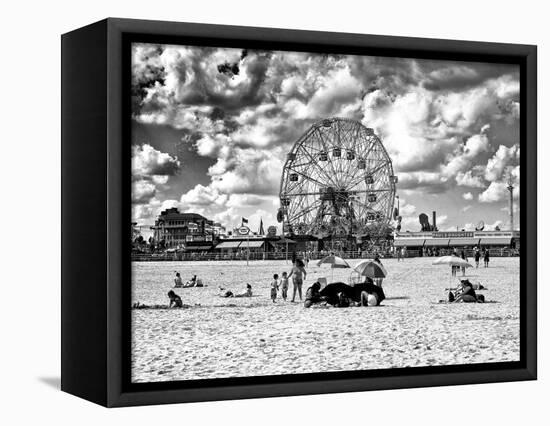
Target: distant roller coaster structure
x,y
337,181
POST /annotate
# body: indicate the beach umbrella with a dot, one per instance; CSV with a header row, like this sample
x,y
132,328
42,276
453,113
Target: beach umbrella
x,y
334,262
370,268
452,261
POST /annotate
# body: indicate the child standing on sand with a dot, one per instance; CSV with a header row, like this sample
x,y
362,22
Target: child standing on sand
x,y
284,286
274,287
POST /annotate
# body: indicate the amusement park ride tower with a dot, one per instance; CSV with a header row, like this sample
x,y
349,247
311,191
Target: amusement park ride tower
x,y
337,183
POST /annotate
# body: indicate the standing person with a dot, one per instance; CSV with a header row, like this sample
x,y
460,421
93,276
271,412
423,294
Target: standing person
x,y
274,287
463,257
398,251
298,274
403,253
284,286
486,258
378,281
477,255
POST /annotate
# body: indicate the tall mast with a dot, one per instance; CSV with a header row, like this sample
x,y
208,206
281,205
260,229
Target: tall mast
x,y
511,202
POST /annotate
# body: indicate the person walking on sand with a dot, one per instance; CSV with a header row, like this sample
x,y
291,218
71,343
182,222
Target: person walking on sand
x,y
378,281
274,287
486,258
463,257
298,274
284,286
477,255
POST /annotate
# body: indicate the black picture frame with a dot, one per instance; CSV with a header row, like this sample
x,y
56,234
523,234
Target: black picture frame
x,y
96,186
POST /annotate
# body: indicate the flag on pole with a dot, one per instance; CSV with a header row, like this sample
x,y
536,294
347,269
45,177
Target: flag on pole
x,y
243,220
261,231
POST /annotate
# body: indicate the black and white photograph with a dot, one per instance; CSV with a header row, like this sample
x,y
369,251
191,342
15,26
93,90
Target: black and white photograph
x,y
297,212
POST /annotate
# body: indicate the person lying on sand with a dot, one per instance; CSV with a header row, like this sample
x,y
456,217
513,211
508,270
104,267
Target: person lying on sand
x,y
174,300
229,293
247,293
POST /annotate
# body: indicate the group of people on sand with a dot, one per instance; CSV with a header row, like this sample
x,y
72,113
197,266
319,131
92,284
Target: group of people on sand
x,y
193,282
341,295
368,293
479,254
298,274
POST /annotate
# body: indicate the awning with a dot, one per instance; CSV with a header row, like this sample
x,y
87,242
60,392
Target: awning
x,y
499,241
437,242
409,242
252,244
464,242
229,245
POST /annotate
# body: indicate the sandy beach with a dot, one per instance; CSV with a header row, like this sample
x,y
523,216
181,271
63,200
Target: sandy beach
x,y
235,337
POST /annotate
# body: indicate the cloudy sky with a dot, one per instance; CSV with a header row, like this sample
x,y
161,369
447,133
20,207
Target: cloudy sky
x,y
211,128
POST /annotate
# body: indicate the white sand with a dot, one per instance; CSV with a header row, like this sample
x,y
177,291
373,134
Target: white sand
x,y
252,336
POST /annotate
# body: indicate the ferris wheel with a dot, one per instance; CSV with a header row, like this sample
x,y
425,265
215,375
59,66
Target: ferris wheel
x,y
337,181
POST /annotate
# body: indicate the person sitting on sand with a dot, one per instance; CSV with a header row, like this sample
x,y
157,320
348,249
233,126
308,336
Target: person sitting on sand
x,y
344,301
369,299
298,274
178,281
465,293
174,300
313,294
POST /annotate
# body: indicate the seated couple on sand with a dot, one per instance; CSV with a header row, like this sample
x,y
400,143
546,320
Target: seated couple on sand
x,y
193,282
229,293
342,295
465,293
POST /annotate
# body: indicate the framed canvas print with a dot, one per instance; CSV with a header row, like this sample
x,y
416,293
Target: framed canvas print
x,y
276,212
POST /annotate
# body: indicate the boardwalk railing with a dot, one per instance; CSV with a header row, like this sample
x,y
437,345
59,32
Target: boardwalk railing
x,y
206,256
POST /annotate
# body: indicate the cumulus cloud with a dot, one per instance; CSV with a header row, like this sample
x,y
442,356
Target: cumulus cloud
x,y
469,179
150,169
503,158
495,192
244,109
147,161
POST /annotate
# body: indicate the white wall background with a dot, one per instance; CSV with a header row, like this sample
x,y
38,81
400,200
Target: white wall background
x,y
30,210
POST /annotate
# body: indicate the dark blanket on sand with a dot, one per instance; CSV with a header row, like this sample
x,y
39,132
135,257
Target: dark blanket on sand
x,y
330,292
